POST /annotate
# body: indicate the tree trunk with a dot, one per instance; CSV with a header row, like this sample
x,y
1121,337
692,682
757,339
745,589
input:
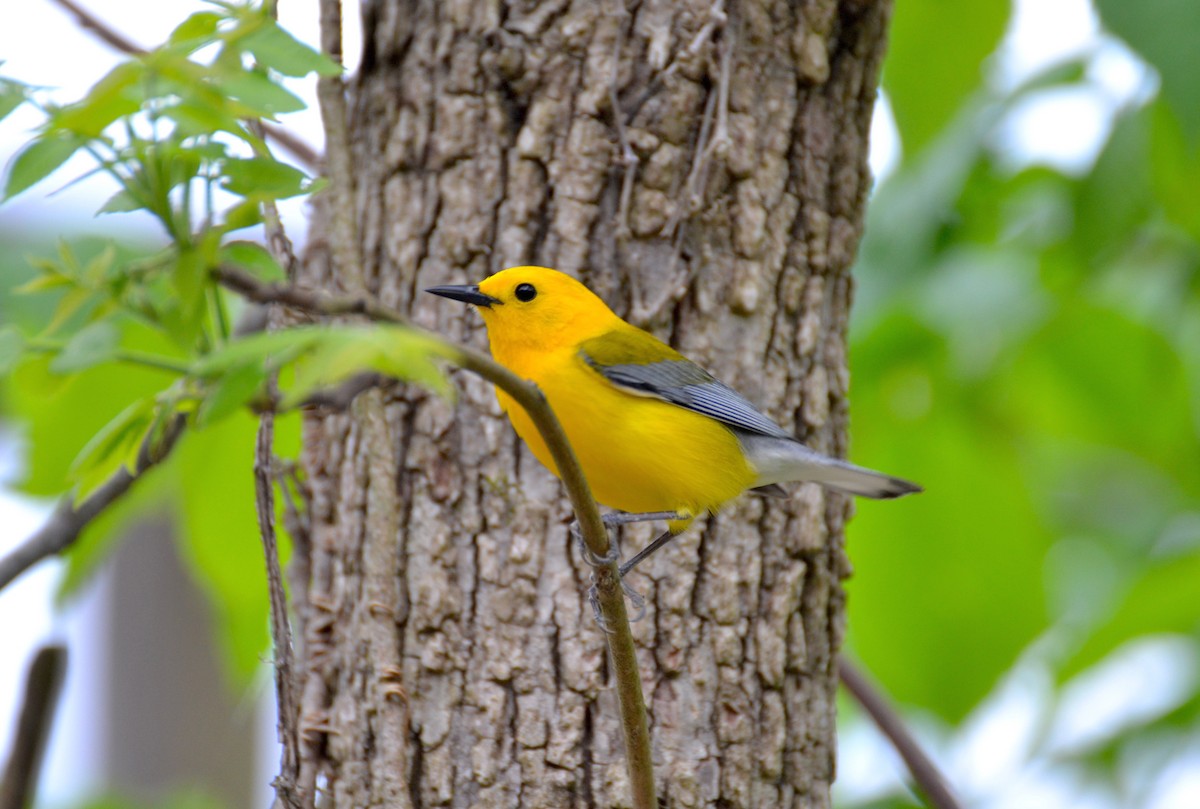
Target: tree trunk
x,y
454,660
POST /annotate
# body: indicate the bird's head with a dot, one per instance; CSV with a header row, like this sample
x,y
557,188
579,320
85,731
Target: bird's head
x,y
534,306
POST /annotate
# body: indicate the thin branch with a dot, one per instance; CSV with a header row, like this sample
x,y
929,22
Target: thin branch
x,y
339,160
69,519
610,594
84,19
281,632
628,160
303,153
42,687
925,773
285,139
306,300
716,20
608,582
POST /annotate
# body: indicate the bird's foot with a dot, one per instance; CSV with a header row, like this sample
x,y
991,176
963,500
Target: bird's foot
x,y
613,556
591,559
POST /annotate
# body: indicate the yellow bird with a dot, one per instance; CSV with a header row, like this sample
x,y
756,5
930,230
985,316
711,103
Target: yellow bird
x,y
656,435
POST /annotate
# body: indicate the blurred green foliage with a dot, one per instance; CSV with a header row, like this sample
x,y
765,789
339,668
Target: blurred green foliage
x,y
1026,343
101,347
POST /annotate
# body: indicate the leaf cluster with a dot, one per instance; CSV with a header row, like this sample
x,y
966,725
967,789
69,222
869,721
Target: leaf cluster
x,y
104,348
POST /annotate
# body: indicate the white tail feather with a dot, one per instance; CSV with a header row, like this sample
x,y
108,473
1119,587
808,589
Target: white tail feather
x,y
780,460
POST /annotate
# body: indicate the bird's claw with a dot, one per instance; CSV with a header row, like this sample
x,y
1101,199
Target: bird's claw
x,y
613,555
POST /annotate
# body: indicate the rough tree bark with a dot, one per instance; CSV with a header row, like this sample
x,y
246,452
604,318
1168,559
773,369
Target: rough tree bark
x,y
455,662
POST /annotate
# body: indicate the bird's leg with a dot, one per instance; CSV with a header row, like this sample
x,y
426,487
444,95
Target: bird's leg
x,y
613,520
614,555
638,557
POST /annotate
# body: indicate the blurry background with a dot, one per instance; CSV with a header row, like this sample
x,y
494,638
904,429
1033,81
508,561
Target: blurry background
x,y
1026,343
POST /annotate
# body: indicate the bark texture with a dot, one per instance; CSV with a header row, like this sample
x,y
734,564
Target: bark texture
x,y
453,661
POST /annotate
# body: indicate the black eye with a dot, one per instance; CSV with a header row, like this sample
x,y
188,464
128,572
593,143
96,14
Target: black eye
x,y
525,292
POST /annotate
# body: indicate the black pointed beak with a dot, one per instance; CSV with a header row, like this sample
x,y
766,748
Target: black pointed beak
x,y
467,293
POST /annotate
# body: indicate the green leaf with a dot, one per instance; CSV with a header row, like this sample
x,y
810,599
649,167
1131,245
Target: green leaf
x,y
183,315
12,345
275,48
120,202
345,351
936,51
114,447
72,303
93,345
267,349
220,538
12,95
1175,168
262,176
38,160
116,95
61,413
49,279
195,117
197,30
245,214
230,393
255,259
152,495
261,95
1165,33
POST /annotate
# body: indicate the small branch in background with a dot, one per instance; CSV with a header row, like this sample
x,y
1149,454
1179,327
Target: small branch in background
x,y
339,158
285,139
281,632
303,153
306,300
628,160
105,33
69,519
42,687
925,773
715,22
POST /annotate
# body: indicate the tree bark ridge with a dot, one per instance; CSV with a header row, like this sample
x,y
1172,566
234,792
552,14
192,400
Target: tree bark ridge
x,y
484,138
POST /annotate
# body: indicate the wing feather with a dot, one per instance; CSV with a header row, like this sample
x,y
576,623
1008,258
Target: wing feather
x,y
645,366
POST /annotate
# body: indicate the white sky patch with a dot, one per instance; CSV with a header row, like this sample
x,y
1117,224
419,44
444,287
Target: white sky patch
x,y
1062,127
1139,682
884,139
1043,33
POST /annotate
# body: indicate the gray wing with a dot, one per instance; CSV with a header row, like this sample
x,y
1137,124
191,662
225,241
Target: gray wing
x,y
684,383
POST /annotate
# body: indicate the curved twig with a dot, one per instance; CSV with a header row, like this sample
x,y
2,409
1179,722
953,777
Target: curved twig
x,y
924,772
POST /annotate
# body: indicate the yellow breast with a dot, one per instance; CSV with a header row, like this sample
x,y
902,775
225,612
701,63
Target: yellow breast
x,y
639,454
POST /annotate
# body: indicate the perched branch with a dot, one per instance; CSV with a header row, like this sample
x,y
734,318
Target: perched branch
x,y
33,727
608,582
69,519
924,772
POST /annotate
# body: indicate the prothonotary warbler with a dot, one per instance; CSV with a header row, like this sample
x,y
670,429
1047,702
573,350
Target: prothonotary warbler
x,y
655,434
